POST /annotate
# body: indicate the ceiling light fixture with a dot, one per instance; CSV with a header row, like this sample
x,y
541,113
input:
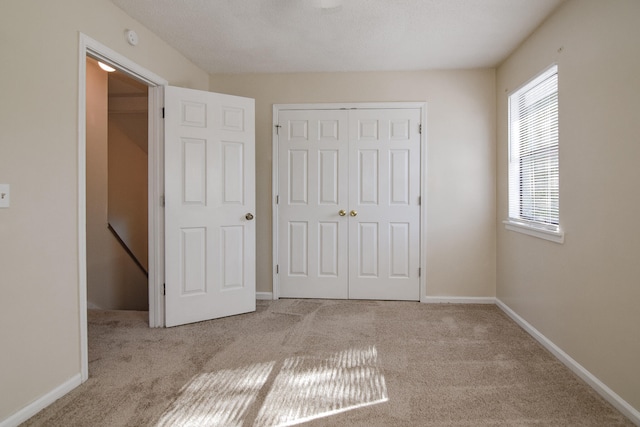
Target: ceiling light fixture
x,y
105,67
327,4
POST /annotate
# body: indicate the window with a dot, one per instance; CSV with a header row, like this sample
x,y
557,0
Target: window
x,y
533,158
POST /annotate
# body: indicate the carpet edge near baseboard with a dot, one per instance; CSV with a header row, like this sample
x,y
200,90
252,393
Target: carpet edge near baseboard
x,y
596,384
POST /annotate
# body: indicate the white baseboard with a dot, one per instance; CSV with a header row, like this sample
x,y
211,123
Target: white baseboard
x,y
38,405
264,295
604,391
458,300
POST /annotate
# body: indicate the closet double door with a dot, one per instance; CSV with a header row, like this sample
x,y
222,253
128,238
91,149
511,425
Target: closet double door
x,y
349,203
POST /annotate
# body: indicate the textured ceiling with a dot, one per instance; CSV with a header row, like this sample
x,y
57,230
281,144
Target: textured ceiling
x,y
274,36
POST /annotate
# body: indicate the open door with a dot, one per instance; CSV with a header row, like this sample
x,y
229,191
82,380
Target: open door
x,y
209,205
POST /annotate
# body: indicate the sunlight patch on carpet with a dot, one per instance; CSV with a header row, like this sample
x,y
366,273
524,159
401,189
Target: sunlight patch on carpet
x,y
307,388
303,389
218,398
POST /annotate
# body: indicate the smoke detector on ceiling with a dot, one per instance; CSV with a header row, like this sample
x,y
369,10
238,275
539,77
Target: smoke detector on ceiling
x,y
132,37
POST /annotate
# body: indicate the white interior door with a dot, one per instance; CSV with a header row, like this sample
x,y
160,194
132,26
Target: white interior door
x,y
209,205
349,203
312,235
384,204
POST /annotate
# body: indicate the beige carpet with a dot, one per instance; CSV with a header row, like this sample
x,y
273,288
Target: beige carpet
x,y
337,363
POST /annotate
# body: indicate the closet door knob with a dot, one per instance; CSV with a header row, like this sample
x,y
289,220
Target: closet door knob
x,y
249,217
353,213
342,212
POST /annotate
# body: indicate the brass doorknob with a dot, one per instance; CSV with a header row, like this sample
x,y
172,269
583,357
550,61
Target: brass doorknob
x,y
249,217
342,212
353,213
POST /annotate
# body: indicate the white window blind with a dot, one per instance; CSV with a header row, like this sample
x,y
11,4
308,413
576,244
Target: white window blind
x,y
533,152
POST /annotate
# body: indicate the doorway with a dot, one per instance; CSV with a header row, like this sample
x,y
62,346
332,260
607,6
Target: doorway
x,y
89,47
117,188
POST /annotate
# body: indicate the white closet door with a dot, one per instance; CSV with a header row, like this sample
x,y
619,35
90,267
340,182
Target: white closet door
x,y
313,189
384,204
210,202
363,162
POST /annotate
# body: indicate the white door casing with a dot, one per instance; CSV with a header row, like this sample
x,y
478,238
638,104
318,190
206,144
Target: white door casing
x,y
373,174
209,205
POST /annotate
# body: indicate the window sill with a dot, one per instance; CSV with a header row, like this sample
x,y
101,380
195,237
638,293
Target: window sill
x,y
541,233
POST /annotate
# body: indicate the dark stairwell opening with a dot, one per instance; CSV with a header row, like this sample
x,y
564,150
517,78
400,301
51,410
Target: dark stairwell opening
x,y
117,188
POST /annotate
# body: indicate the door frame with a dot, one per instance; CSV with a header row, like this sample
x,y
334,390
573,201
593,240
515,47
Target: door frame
x,y
89,47
275,185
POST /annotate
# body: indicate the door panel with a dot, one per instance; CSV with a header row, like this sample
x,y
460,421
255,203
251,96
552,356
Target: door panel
x,y
193,262
384,172
298,248
400,177
328,170
234,173
328,242
298,168
312,240
400,249
368,178
209,188
368,245
194,165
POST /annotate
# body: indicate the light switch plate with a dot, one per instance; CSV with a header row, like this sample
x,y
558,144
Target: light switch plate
x,y
4,195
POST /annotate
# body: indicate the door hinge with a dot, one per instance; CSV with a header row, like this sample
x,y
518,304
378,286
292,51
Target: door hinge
x,y
164,289
277,199
420,128
419,272
162,201
277,269
278,129
163,112
419,200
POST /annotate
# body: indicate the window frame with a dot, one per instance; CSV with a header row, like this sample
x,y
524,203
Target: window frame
x,y
544,230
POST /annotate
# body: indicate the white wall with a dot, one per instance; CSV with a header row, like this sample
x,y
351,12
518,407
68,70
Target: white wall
x,y
460,167
583,295
39,317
